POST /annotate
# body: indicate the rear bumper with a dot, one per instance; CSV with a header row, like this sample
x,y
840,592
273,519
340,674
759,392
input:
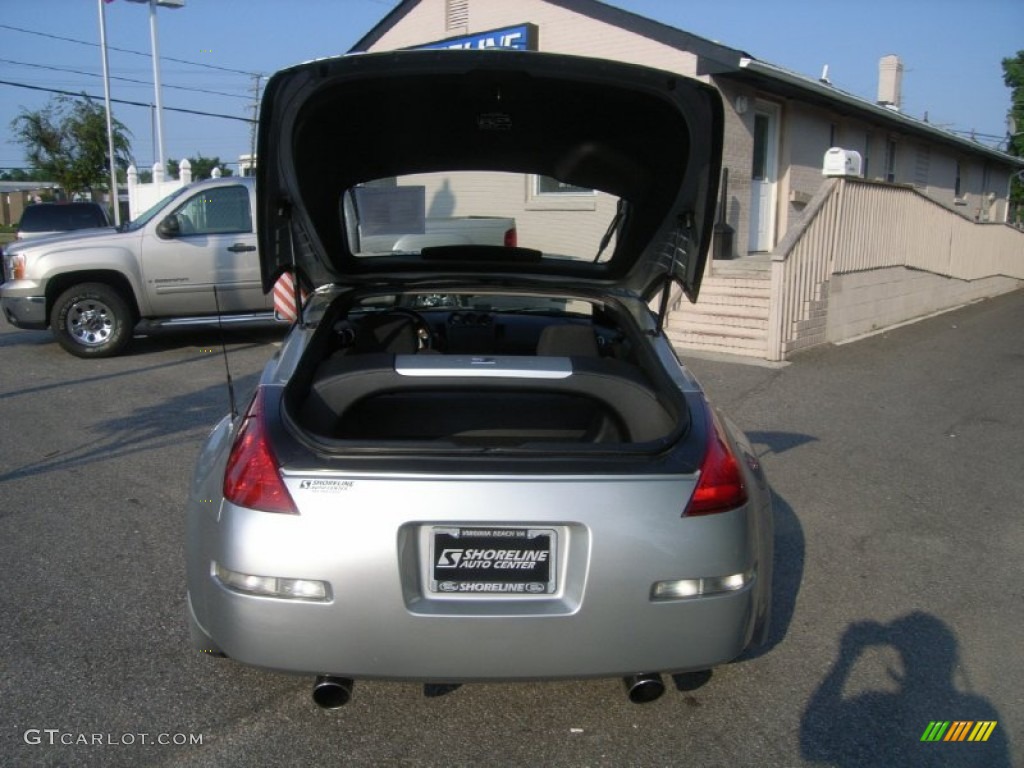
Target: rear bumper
x,y
307,639
382,623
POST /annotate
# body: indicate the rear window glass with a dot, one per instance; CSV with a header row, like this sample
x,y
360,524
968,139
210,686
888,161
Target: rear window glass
x,y
480,302
405,214
60,217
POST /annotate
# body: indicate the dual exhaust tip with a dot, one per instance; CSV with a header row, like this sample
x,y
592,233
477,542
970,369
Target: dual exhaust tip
x,y
643,689
330,692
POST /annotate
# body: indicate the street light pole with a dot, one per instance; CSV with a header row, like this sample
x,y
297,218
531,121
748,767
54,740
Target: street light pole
x,y
156,84
154,43
115,202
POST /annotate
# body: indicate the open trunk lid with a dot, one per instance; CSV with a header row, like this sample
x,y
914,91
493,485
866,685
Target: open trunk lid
x,y
651,139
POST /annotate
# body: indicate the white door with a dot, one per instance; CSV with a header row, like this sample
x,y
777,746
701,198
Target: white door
x,y
763,178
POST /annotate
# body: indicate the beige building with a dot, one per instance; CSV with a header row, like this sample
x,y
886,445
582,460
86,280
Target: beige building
x,y
778,124
15,196
799,258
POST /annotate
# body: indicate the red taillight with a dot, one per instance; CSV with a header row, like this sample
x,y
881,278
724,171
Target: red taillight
x,y
720,487
252,478
511,238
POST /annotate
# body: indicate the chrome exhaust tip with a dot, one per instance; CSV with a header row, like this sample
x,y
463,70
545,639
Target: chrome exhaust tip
x,y
643,689
331,692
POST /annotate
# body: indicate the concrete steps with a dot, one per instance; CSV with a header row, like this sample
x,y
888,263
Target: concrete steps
x,y
731,315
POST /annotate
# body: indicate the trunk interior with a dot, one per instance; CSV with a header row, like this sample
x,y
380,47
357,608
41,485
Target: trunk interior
x,y
482,379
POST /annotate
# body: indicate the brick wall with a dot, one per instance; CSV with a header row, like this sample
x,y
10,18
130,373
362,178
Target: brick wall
x,y
737,149
862,302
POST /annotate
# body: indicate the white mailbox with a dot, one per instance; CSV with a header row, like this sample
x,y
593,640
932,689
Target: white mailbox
x,y
842,162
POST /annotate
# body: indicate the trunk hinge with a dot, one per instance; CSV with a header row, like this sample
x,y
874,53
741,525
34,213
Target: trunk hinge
x,y
663,300
285,211
679,246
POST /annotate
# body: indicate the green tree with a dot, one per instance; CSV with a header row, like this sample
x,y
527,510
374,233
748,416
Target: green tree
x,y
67,141
1013,77
20,174
202,167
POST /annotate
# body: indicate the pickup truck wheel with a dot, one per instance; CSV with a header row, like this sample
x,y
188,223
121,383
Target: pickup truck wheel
x,y
91,320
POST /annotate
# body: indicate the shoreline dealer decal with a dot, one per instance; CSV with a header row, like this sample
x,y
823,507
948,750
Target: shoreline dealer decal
x,y
493,560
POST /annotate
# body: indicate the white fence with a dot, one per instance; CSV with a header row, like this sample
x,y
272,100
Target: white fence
x,y
142,196
885,226
855,226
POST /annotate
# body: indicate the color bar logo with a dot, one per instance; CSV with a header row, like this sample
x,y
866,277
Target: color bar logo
x,y
958,730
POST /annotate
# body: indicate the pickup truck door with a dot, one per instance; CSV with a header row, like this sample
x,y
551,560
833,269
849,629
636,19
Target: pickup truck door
x,y
214,244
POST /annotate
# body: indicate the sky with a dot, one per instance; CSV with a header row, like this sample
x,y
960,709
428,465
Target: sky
x,y
951,51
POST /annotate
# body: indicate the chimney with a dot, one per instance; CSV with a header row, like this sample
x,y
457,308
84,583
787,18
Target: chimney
x,y
890,81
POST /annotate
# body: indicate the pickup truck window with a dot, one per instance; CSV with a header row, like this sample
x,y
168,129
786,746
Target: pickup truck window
x,y
218,211
143,218
61,217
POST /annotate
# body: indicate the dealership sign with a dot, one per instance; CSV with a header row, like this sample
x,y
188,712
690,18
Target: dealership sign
x,y
522,37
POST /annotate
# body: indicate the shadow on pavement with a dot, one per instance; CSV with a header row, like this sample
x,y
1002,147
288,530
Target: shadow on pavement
x,y
887,727
787,575
61,383
205,337
149,428
779,442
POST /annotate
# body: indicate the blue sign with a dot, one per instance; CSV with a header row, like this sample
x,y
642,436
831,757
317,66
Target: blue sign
x,y
522,37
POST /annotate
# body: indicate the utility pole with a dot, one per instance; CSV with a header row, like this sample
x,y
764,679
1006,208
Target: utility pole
x,y
255,115
114,201
155,46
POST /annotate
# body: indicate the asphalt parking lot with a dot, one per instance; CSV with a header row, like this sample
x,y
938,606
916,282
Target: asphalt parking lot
x,y
897,471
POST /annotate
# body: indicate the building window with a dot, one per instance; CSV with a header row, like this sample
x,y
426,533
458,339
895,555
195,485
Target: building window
x,y
890,161
867,153
986,199
958,188
759,162
545,185
546,193
833,135
922,166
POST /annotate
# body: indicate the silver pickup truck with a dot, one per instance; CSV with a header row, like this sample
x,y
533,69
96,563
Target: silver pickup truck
x,y
95,289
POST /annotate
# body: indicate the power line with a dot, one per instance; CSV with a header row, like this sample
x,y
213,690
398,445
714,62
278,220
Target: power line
x,y
123,79
126,50
124,101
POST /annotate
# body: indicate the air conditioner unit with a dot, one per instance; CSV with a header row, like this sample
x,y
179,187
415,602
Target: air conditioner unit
x,y
842,162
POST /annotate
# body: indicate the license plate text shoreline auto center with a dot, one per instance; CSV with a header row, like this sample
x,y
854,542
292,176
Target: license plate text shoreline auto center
x,y
491,558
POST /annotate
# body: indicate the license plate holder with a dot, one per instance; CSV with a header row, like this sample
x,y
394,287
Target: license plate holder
x,y
493,561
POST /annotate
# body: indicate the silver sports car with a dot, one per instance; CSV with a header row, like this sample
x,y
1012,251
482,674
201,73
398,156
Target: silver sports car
x,y
476,457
